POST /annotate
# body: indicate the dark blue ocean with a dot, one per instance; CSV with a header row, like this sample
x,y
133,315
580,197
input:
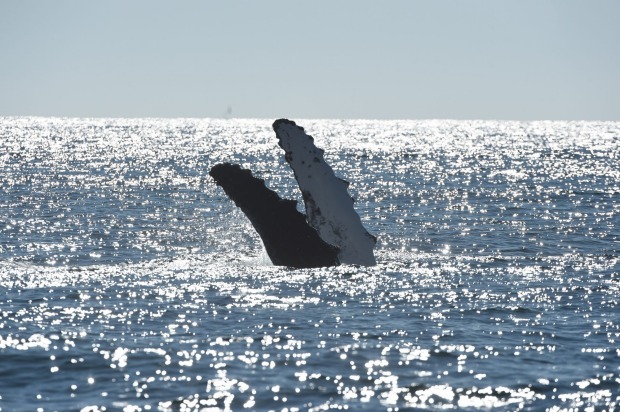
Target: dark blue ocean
x,y
130,282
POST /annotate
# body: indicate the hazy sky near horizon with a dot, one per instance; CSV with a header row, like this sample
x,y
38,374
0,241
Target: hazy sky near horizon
x,y
457,59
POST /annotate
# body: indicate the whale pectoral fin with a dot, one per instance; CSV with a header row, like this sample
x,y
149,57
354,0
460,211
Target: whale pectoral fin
x,y
328,204
288,238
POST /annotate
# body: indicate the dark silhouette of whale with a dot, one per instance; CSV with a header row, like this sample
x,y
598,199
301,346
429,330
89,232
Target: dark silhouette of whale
x,y
329,234
288,239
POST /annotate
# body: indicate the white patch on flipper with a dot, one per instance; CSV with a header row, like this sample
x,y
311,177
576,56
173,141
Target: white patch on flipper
x,y
328,205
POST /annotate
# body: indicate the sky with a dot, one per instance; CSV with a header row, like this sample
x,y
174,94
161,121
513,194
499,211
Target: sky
x,y
389,59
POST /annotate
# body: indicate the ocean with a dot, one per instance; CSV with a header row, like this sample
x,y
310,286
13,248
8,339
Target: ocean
x,y
130,282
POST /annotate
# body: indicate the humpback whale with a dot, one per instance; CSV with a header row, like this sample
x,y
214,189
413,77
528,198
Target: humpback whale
x,y
329,234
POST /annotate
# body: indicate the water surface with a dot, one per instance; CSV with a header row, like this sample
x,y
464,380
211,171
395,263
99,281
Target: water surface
x,y
128,281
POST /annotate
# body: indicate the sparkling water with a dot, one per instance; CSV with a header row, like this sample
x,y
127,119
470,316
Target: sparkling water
x,y
129,282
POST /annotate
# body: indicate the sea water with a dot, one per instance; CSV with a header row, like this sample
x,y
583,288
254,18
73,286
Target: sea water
x,y
129,282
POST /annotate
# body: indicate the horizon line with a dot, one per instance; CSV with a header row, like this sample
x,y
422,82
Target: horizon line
x,y
377,119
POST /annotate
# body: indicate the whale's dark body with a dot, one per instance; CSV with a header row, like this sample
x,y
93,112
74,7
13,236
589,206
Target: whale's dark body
x,y
330,233
287,237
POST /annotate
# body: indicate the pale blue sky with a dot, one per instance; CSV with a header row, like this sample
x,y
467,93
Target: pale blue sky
x,y
460,59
